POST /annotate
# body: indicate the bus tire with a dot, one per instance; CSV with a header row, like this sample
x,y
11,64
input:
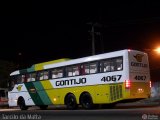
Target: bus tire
x,y
71,102
22,104
86,101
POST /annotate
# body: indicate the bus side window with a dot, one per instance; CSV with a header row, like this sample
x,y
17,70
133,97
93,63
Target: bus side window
x,y
28,77
33,77
107,66
57,73
54,73
46,74
12,82
23,78
93,68
19,79
82,70
37,75
69,71
112,66
119,63
86,68
60,72
41,76
75,70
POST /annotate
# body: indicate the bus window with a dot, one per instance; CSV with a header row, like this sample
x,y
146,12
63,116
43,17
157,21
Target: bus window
x,y
75,70
101,67
107,66
28,76
69,71
12,82
60,72
119,63
113,65
72,70
41,76
23,78
57,73
86,68
33,77
46,75
82,70
20,79
54,73
93,68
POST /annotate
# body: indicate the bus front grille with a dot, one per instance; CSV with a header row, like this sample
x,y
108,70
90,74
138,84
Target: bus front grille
x,y
115,92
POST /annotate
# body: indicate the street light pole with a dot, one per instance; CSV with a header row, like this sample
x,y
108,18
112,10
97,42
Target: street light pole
x,y
93,40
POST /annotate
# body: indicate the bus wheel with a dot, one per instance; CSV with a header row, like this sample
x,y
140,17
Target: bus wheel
x,y
22,104
71,102
43,107
86,101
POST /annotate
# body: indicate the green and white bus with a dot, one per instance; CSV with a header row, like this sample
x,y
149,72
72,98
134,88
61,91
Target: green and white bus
x,y
99,79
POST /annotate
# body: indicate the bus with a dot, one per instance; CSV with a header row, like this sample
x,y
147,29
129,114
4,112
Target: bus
x,y
94,80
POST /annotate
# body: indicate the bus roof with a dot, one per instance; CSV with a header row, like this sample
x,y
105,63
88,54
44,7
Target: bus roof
x,y
37,67
87,59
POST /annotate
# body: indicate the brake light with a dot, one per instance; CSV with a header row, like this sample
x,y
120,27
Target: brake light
x,y
150,84
129,50
127,84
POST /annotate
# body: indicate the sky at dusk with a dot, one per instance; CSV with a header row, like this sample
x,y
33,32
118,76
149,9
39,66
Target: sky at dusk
x,y
34,32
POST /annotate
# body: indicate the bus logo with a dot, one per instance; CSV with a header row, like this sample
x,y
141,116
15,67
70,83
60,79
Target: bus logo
x,y
19,87
138,57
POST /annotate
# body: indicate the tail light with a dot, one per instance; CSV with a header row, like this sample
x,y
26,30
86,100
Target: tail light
x,y
129,50
150,84
127,84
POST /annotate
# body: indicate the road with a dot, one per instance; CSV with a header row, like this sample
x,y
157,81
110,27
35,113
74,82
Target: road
x,y
146,113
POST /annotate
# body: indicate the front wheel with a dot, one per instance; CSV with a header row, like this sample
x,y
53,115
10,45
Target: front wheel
x,y
22,104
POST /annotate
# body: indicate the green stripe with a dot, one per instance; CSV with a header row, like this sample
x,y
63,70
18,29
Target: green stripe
x,y
31,69
23,71
33,93
42,93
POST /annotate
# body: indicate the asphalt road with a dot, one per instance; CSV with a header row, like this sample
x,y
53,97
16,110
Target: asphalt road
x,y
146,113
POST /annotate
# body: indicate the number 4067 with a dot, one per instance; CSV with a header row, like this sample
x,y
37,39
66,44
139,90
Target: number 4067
x,y
111,78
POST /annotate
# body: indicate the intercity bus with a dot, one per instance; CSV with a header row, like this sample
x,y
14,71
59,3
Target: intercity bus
x,y
94,80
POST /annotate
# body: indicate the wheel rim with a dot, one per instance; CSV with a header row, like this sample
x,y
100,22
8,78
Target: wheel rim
x,y
87,102
22,104
71,102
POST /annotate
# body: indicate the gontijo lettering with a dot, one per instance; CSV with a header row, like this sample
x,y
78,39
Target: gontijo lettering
x,y
71,82
136,64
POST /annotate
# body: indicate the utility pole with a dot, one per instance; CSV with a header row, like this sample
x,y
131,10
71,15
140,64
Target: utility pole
x,y
93,40
92,32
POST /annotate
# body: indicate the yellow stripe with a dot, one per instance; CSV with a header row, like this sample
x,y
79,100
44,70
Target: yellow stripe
x,y
46,84
41,65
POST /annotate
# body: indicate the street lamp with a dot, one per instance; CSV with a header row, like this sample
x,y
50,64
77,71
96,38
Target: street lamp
x,y
157,50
